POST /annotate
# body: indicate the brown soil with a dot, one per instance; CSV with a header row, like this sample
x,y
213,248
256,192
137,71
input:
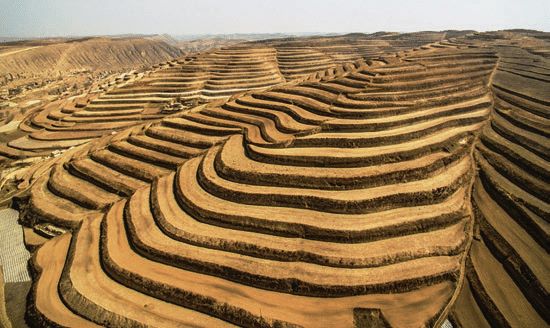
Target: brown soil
x,y
321,180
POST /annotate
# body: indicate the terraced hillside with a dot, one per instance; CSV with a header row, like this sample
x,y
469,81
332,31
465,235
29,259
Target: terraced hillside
x,y
192,80
77,121
344,199
320,56
393,191
508,267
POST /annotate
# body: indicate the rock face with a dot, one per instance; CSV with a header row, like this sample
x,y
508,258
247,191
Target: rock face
x,y
395,190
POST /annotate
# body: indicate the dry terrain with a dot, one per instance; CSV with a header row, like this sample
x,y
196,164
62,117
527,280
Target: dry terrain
x,y
368,180
35,73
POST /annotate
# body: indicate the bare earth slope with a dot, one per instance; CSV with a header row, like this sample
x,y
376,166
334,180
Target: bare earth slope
x,y
93,54
42,72
190,80
244,212
391,191
509,267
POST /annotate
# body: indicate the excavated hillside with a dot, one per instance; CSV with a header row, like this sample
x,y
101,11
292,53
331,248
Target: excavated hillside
x,y
395,190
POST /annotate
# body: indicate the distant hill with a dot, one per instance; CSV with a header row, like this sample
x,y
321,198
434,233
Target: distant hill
x,y
93,53
190,43
233,36
167,38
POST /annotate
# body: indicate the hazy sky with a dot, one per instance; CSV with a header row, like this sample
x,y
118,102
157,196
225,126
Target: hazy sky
x,y
26,18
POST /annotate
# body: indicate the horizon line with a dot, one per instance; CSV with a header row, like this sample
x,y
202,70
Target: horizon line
x,y
254,33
